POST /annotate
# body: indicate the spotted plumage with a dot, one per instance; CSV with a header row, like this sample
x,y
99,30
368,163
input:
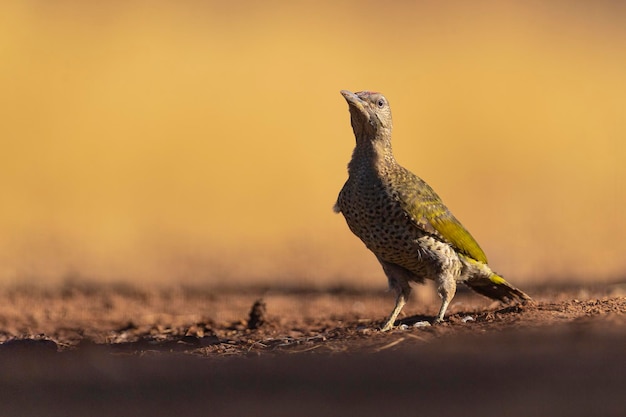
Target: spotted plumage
x,y
403,221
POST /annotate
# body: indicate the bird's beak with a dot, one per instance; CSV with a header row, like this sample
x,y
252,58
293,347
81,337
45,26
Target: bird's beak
x,y
354,101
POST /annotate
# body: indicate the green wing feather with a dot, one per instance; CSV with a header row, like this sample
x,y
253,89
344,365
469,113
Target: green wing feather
x,y
430,214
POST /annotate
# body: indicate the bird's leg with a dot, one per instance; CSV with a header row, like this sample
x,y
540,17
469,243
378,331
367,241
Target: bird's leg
x,y
403,296
446,287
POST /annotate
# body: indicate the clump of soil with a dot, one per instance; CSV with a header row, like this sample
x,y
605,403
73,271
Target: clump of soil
x,y
257,315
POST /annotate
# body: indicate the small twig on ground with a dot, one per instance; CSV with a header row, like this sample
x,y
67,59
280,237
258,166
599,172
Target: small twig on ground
x,y
390,345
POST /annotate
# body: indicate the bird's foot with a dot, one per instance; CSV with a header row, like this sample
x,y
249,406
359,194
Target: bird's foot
x,y
388,326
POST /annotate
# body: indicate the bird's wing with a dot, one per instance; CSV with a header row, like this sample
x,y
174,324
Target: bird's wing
x,y
430,214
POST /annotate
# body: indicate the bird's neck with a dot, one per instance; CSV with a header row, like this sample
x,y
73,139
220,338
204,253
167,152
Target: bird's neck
x,y
372,153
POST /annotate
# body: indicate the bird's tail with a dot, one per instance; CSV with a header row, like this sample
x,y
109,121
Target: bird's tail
x,y
496,287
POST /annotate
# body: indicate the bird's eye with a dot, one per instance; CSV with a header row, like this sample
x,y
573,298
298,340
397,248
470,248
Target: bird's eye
x,y
380,103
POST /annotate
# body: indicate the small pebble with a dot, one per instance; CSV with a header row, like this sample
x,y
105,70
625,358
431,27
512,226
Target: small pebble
x,y
421,324
403,327
467,318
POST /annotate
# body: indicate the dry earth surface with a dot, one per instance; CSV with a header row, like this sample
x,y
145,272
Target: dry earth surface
x,y
95,349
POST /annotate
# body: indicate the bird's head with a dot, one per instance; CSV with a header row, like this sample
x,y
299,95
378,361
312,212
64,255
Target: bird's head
x,y
370,114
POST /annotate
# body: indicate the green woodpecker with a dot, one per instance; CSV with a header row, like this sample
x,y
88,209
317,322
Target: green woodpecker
x,y
404,222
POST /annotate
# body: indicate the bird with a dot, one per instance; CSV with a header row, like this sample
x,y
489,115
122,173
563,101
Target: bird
x,y
403,221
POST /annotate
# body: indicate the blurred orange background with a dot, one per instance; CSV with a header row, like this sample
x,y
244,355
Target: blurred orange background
x,y
207,141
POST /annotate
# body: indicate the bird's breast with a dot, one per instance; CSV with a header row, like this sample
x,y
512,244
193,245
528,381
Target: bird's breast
x,y
376,217
374,213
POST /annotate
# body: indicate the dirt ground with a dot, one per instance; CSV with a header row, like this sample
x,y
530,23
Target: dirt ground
x,y
96,349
